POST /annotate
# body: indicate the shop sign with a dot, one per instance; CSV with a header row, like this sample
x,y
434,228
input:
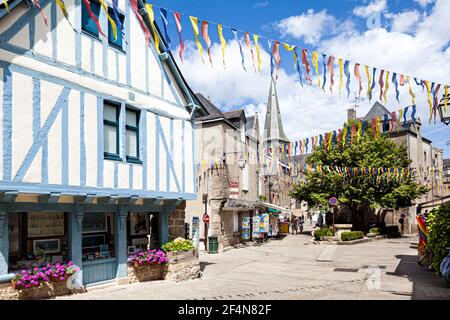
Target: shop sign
x,y
195,231
234,190
45,224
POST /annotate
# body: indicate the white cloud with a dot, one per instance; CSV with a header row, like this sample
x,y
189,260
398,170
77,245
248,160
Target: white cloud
x,y
261,4
307,111
404,22
424,3
373,7
310,26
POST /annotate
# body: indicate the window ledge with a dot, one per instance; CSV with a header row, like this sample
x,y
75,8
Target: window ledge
x,y
112,157
134,160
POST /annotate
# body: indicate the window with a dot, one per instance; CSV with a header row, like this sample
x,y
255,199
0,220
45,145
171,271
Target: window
x,y
132,132
111,40
111,130
87,24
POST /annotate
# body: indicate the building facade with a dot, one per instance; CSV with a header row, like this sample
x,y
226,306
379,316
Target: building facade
x,y
97,139
227,173
428,161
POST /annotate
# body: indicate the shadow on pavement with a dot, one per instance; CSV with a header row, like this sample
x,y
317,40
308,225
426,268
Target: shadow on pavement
x,y
204,264
427,285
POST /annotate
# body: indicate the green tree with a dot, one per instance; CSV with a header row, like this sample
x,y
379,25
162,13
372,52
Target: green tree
x,y
438,228
361,191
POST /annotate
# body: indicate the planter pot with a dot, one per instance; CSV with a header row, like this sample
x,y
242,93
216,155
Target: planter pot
x,y
146,272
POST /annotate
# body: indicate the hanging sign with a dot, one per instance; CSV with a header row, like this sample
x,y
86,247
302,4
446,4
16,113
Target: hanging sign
x,y
234,190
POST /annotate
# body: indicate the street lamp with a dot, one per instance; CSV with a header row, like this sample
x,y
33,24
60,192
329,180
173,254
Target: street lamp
x,y
444,113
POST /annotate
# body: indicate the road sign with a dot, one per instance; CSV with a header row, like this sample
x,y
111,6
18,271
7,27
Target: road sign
x,y
332,201
206,219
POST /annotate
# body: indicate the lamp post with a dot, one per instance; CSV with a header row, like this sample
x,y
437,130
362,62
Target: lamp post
x,y
444,112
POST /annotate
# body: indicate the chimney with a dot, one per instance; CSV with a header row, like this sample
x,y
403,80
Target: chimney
x,y
351,114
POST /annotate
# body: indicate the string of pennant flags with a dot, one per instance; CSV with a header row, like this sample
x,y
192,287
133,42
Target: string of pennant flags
x,y
348,134
302,62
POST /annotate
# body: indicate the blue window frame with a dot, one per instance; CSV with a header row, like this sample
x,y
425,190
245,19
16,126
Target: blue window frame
x,y
87,24
132,135
117,43
111,116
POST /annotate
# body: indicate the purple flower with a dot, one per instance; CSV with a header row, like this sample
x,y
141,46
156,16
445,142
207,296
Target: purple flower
x,y
19,283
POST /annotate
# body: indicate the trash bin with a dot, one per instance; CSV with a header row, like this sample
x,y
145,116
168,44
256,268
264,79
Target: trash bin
x,y
213,244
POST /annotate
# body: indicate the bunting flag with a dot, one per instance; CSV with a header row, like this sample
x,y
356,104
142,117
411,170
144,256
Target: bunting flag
x,y
358,132
177,17
411,93
272,63
258,53
93,17
402,80
344,136
353,133
315,62
324,65
374,127
306,145
404,115
445,98
339,136
413,113
393,120
419,83
307,65
249,45
430,103
194,23
399,119
347,74
369,90
236,37
395,82
385,122
341,75
433,93
223,43
378,125
386,87
436,100
374,71
331,71
5,2
364,125
61,5
36,2
320,140
151,16
358,76
165,23
276,56
296,61
111,21
205,36
381,83
330,136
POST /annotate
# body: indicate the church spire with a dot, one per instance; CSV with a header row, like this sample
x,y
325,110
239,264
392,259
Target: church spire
x,y
273,126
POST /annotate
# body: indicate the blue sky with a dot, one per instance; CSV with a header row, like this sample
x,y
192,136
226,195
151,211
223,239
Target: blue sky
x,y
409,37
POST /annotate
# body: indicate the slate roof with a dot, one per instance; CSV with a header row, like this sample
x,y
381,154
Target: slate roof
x,y
273,126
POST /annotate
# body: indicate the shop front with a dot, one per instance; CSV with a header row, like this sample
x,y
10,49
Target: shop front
x,y
96,237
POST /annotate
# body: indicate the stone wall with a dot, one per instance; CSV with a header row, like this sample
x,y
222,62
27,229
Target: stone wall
x,y
45,290
145,273
176,222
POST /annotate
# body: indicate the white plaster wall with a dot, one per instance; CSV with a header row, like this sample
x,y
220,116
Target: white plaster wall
x,y
151,142
177,154
137,177
108,176
90,127
123,176
162,153
65,35
55,152
43,37
10,19
22,119
74,138
137,52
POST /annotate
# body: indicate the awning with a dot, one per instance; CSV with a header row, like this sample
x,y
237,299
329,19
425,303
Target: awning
x,y
275,207
240,205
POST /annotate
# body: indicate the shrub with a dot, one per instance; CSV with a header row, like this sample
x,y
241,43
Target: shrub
x,y
391,232
438,229
352,235
377,231
178,244
323,232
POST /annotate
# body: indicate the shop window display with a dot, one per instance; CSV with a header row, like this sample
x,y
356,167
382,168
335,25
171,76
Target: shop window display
x,y
36,239
98,236
140,226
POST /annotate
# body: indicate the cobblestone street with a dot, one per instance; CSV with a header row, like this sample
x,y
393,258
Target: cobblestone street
x,y
294,268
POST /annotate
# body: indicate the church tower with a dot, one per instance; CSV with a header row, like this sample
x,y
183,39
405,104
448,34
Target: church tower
x,y
276,140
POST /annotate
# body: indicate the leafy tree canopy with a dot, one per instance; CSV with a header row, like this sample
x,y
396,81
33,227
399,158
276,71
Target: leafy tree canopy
x,y
361,190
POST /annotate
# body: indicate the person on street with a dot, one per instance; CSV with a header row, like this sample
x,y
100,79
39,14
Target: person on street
x,y
300,224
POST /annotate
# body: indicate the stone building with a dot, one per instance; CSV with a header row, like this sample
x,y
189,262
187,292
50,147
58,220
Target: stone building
x,y
227,174
276,171
425,157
